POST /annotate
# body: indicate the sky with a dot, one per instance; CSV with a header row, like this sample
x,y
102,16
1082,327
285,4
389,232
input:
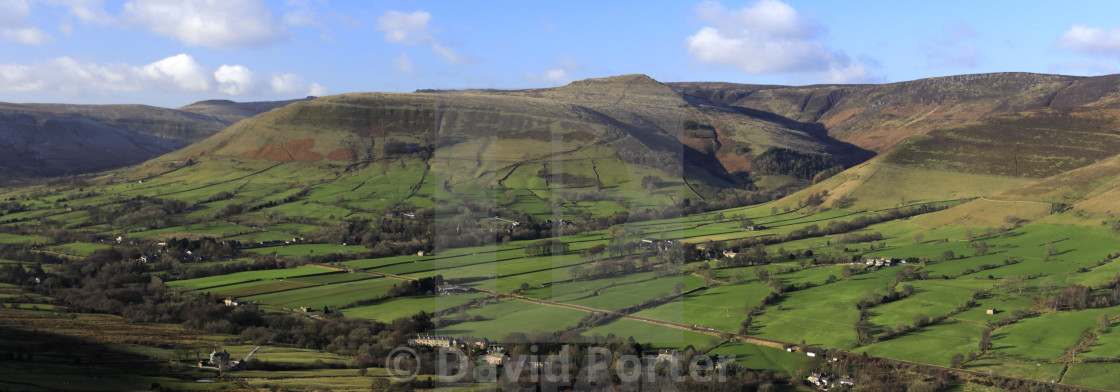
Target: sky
x,y
174,52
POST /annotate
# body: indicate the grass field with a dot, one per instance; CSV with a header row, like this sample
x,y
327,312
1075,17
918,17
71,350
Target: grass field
x,y
389,310
78,249
327,295
1093,375
654,336
500,318
722,307
1046,337
247,276
761,357
6,238
935,344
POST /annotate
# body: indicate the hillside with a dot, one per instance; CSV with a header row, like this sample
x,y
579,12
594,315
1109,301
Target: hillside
x,y
985,158
618,211
597,146
877,117
44,140
230,112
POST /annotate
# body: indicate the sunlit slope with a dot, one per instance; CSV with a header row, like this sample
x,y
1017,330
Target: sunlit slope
x,y
877,117
1059,157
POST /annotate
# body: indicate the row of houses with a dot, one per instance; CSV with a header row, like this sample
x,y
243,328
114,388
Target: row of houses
x,y
450,289
659,244
883,262
448,342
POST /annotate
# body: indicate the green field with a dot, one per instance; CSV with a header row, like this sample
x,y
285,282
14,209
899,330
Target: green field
x,y
247,276
6,238
654,336
389,310
1046,337
761,357
500,318
327,295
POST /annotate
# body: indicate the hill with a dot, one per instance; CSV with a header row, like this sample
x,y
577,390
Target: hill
x,y
44,140
230,112
598,146
877,117
985,158
980,251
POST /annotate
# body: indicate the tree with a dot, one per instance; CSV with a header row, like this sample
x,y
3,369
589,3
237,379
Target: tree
x,y
985,339
1073,297
1046,286
921,320
948,255
918,237
957,361
863,331
1102,323
968,235
738,277
981,248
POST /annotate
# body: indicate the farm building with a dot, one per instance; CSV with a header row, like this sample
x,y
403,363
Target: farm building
x,y
666,354
432,341
450,289
496,359
884,261
231,301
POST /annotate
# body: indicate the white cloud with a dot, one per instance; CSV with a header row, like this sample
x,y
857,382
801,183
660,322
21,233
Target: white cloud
x,y
403,64
1091,40
767,36
287,84
558,75
181,71
405,29
69,77
316,90
29,35
213,23
413,29
14,12
235,79
15,25
85,10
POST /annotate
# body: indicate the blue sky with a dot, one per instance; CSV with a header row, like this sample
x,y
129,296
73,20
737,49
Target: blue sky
x,y
174,52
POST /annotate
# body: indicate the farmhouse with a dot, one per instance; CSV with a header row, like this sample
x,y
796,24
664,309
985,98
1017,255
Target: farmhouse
x,y
666,355
231,301
432,341
479,343
657,244
450,289
991,311
497,359
884,261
